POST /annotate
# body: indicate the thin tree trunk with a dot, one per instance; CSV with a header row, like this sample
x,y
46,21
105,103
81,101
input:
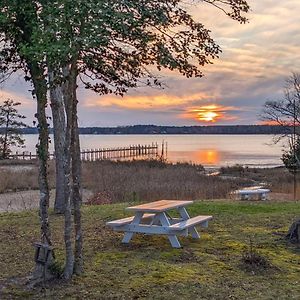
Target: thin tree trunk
x,y
59,130
42,272
67,90
42,149
77,193
74,169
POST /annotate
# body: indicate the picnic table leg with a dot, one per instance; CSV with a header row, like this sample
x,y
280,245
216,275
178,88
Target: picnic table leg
x,y
185,215
155,220
172,237
245,196
136,220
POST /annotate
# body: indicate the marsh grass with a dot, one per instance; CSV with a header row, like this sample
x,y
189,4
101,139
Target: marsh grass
x,y
150,180
121,181
148,268
24,176
279,179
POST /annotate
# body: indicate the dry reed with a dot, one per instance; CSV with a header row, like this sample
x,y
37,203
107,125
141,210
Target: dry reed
x,y
151,180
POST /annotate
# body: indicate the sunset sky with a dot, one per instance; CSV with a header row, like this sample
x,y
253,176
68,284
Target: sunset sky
x,y
256,59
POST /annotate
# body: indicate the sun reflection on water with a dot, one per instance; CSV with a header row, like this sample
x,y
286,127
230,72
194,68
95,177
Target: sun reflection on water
x,y
207,156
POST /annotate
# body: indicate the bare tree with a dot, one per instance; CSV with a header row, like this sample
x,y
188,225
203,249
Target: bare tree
x,y
285,112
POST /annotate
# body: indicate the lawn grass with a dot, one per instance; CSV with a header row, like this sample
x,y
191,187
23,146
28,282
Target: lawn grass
x,y
148,268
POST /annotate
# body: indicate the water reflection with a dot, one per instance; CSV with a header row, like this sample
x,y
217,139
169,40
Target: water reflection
x,y
208,150
207,156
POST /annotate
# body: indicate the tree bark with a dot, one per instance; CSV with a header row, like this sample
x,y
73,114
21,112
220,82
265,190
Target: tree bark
x,y
59,126
40,89
294,232
42,272
77,192
67,90
72,139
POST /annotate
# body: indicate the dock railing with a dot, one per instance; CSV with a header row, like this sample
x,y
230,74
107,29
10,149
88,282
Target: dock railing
x,y
151,151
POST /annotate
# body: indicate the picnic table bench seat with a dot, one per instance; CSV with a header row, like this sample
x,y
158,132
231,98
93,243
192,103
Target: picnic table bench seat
x,y
124,221
191,222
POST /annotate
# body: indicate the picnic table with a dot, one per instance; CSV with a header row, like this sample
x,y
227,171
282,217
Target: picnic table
x,y
153,218
246,194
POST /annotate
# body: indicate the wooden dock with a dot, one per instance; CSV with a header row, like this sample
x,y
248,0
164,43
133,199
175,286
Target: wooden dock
x,y
151,151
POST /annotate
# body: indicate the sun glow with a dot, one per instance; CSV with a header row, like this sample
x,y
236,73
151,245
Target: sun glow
x,y
208,116
211,113
208,156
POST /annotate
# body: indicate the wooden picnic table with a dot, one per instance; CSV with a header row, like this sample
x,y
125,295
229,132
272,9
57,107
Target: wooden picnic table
x,y
153,218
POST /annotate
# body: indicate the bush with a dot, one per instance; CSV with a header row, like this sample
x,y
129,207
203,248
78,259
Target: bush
x,y
253,261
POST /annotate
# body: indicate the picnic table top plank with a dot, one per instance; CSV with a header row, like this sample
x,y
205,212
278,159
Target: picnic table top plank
x,y
159,206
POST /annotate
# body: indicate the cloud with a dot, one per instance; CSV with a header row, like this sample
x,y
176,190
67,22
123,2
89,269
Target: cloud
x,y
142,101
257,57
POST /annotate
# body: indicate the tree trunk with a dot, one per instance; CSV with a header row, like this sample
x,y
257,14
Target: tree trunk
x,y
294,232
40,89
67,90
59,130
77,193
72,140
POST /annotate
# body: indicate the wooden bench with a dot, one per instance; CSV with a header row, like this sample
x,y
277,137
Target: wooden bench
x,y
199,220
124,221
246,194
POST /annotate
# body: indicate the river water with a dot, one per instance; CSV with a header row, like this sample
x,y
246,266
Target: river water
x,y
208,150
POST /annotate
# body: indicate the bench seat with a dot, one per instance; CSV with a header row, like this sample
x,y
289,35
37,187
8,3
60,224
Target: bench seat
x,y
191,222
128,220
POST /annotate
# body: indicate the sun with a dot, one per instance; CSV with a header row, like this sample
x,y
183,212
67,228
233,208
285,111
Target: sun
x,y
211,113
208,116
207,113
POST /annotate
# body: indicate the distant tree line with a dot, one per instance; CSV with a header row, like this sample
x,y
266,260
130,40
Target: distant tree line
x,y
153,129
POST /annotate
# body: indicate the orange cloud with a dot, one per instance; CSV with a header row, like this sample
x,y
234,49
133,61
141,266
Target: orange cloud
x,y
211,113
144,101
25,100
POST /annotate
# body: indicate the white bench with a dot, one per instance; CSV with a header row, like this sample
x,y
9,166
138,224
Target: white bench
x,y
124,221
199,220
246,194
